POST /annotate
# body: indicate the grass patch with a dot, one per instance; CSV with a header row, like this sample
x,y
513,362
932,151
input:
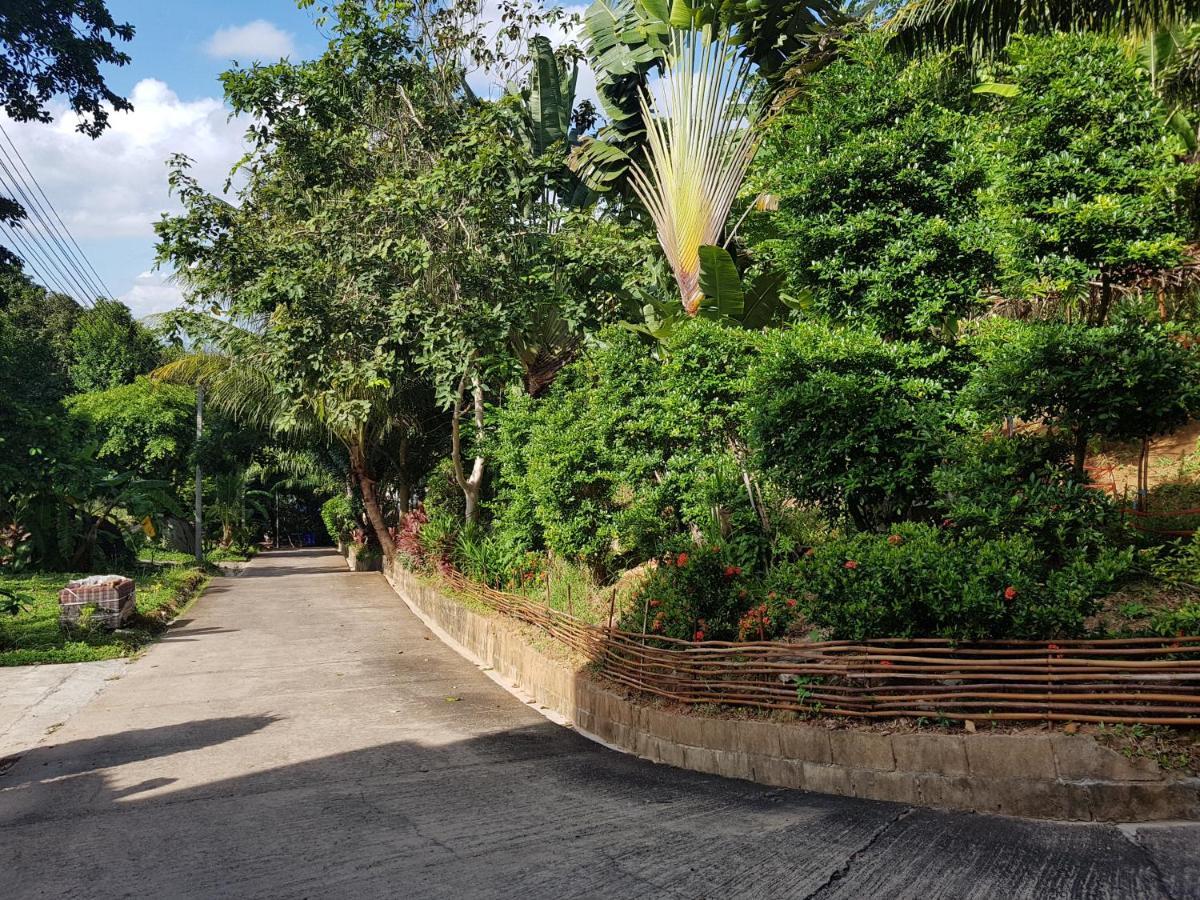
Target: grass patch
x,y
34,636
156,556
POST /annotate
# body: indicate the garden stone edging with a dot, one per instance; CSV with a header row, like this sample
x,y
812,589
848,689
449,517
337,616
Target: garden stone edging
x,y
1044,776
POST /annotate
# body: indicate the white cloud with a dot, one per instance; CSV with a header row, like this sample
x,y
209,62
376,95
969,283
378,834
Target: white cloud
x,y
116,185
110,191
152,292
255,40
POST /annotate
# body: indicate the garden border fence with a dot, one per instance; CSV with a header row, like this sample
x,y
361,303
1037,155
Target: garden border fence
x,y
1150,681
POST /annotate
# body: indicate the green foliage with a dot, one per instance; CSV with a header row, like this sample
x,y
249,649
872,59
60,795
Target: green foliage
x,y
846,421
108,348
693,593
1085,178
615,457
991,487
1177,622
877,179
487,558
920,580
143,427
1122,382
339,517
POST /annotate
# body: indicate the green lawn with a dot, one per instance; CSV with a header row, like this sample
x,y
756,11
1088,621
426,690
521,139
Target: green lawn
x,y
212,557
33,636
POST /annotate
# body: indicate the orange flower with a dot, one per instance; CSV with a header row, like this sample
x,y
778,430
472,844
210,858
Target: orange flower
x,y
895,539
850,564
1010,593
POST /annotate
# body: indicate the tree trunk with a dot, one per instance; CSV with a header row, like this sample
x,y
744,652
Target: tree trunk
x,y
366,486
471,485
403,488
1081,446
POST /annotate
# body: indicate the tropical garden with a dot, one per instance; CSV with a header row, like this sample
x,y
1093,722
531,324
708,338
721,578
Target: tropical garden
x,y
814,321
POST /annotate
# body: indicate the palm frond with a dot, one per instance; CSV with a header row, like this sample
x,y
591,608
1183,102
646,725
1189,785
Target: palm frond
x,y
701,137
985,27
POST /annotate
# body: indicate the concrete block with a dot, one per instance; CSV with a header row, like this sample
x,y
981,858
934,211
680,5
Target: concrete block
x,y
825,779
940,754
1078,757
1028,757
759,738
805,743
862,750
895,787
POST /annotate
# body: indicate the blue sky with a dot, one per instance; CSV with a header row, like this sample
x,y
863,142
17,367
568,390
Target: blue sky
x,y
110,191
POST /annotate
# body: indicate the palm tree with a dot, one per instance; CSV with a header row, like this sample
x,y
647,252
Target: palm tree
x,y
374,421
986,26
702,134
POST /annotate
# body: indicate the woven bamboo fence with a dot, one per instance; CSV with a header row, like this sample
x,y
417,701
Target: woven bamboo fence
x,y
1151,681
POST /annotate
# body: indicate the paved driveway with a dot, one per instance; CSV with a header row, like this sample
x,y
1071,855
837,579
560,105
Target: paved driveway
x,y
301,734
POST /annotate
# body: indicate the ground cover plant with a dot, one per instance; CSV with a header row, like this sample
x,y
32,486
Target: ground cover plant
x,y
33,636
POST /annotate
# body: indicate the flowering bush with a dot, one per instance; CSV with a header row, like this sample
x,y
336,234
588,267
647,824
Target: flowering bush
x,y
693,593
929,581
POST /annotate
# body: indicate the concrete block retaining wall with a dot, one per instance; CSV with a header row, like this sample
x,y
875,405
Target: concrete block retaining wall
x,y
1050,776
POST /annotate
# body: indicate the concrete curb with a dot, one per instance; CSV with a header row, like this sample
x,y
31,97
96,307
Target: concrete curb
x,y
1044,776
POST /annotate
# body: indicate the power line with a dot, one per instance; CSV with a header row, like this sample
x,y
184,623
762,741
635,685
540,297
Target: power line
x,y
35,216
49,278
83,256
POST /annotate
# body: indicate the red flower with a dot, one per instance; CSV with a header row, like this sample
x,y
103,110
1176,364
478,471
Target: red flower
x,y
730,571
850,564
895,539
654,603
885,662
698,636
682,560
791,603
1010,593
1052,646
947,523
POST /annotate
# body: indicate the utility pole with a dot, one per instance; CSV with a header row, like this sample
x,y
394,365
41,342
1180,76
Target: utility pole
x,y
199,486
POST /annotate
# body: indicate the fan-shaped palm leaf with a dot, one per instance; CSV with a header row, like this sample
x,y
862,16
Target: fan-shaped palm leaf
x,y
701,137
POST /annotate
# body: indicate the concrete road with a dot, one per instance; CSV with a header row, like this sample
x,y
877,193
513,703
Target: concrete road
x,y
301,734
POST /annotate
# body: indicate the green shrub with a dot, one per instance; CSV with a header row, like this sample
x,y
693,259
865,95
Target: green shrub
x,y
921,580
693,593
338,515
486,558
1181,622
878,181
442,493
993,487
439,539
844,420
1085,176
1122,382
623,451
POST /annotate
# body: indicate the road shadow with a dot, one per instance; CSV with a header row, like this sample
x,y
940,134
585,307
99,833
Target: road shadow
x,y
533,812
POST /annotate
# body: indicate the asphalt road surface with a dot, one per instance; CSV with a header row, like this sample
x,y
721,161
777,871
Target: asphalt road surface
x,y
301,734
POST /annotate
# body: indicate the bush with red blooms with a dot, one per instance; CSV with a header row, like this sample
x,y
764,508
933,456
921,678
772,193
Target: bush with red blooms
x,y
699,593
408,537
